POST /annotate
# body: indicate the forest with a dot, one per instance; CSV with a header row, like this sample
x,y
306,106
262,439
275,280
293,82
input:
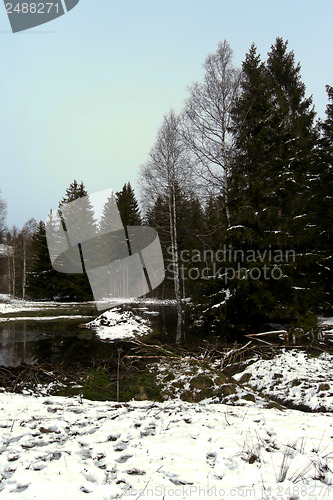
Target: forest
x,y
238,186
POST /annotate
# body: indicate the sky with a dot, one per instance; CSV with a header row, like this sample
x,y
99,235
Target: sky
x,y
82,97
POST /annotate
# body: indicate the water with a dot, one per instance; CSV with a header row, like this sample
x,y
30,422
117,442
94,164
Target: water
x,y
38,339
32,341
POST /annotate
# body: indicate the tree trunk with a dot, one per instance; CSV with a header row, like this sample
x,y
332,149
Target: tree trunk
x,y
24,266
174,246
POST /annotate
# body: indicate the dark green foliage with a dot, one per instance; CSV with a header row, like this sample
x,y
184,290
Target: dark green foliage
x,y
271,185
43,280
322,199
76,286
128,206
278,190
190,229
73,192
273,192
41,277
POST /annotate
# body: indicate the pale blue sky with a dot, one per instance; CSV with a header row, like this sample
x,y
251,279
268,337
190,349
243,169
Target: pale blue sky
x,y
83,96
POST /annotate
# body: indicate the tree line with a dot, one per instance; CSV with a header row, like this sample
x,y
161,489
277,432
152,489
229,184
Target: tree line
x,y
26,268
239,188
246,170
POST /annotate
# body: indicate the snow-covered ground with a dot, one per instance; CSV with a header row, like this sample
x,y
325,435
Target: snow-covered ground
x,y
8,305
64,448
72,449
115,324
44,318
327,324
293,376
54,447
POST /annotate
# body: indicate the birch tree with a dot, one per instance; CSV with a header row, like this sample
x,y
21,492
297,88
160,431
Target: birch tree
x,y
26,236
3,247
207,119
3,213
12,242
166,169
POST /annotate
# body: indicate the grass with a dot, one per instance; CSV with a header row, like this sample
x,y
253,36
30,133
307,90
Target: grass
x,y
100,384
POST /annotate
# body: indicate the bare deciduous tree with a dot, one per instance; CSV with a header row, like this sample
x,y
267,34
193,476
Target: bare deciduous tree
x,y
26,236
166,170
3,213
207,119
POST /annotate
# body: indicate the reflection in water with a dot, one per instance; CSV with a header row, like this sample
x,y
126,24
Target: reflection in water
x,y
56,341
33,342
15,346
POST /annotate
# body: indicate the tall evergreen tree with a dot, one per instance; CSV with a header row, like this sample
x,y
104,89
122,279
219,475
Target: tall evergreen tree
x,y
110,219
294,166
323,200
128,206
81,225
42,279
73,192
271,179
252,130
81,216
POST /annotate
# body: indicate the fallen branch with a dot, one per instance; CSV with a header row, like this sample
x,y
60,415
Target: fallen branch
x,y
231,355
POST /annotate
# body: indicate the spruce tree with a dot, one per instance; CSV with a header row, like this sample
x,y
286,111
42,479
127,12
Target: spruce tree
x,y
295,163
296,170
323,201
81,226
110,219
73,192
42,279
253,138
128,206
81,220
271,182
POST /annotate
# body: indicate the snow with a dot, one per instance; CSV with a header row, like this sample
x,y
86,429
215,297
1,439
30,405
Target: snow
x,y
115,324
294,376
271,332
43,318
327,324
5,250
235,227
70,449
326,321
9,305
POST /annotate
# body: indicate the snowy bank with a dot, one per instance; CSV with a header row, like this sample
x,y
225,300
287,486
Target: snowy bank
x,y
294,377
115,324
9,305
